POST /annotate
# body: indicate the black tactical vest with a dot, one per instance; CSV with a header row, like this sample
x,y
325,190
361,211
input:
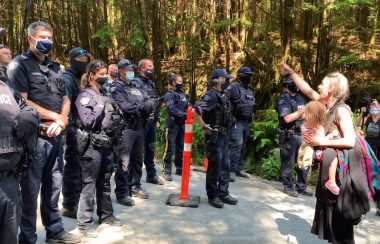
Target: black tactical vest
x,y
221,115
9,109
244,108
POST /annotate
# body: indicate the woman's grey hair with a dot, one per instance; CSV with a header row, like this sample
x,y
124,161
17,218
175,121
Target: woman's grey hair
x,y
339,85
38,25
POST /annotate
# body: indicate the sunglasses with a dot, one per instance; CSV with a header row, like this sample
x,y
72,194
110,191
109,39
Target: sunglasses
x,y
96,65
79,52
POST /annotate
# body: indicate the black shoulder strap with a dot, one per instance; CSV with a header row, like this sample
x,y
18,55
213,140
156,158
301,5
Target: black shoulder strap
x,y
176,96
331,114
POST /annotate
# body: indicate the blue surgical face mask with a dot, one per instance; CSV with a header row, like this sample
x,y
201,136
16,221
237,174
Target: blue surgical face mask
x,y
43,45
374,111
130,75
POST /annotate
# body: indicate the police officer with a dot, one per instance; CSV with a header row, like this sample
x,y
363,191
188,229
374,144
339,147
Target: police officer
x,y
112,75
72,183
18,123
144,79
136,108
176,104
96,112
5,59
243,107
213,114
39,80
290,108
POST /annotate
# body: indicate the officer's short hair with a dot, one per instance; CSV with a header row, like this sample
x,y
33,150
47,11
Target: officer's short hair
x,y
3,46
143,62
38,25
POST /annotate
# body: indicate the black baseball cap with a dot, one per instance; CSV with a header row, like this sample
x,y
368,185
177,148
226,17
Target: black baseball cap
x,y
245,70
124,63
287,79
220,73
78,52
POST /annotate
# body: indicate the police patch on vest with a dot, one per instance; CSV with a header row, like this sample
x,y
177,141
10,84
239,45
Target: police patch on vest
x,y
84,101
136,92
5,99
12,65
248,97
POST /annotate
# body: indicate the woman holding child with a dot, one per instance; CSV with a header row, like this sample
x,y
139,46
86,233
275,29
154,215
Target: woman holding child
x,y
329,224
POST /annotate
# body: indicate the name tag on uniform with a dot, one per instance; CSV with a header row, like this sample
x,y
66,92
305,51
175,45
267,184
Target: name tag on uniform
x,y
36,73
300,106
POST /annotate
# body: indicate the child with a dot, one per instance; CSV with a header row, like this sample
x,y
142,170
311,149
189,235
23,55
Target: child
x,y
315,116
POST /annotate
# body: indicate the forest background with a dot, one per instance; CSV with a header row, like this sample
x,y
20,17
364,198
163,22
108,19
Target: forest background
x,y
192,37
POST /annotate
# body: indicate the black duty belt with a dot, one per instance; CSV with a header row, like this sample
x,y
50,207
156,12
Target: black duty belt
x,y
6,174
221,129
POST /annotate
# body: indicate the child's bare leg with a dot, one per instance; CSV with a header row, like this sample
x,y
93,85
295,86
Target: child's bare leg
x,y
331,183
332,170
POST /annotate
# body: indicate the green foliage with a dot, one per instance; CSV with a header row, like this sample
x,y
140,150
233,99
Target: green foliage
x,y
311,7
136,37
105,34
263,152
270,166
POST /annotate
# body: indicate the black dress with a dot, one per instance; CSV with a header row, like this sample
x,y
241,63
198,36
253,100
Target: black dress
x,y
328,223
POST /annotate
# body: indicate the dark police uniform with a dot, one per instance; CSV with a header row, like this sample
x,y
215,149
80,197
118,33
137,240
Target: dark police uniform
x,y
72,182
10,155
215,111
176,105
147,85
290,141
96,113
242,107
42,81
107,87
132,102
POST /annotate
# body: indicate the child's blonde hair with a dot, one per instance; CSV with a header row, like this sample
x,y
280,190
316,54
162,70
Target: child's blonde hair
x,y
315,113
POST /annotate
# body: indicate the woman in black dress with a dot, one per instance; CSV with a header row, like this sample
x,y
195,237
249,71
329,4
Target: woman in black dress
x,y
328,223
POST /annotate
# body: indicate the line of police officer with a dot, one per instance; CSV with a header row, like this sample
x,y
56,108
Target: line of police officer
x,y
93,127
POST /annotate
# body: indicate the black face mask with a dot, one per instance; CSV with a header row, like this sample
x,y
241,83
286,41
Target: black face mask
x,y
225,85
293,88
245,80
150,73
101,80
178,87
78,66
113,74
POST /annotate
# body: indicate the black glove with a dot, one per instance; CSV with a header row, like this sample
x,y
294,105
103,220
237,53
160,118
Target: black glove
x,y
27,124
147,109
100,140
209,130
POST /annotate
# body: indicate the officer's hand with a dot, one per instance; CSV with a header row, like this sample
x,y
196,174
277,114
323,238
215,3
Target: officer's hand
x,y
158,125
62,121
208,129
363,110
27,124
147,109
54,130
